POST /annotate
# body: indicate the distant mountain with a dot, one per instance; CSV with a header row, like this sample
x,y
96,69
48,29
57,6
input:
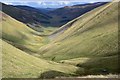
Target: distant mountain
x,y
28,8
46,10
80,9
48,16
68,13
26,14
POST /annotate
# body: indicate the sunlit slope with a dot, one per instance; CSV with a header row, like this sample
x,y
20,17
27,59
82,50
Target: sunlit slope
x,y
18,64
19,34
94,34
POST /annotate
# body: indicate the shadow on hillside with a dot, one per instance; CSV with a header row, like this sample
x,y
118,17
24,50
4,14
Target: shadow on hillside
x,y
52,74
98,66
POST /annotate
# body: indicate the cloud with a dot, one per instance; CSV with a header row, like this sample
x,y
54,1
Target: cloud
x,y
49,3
64,2
53,3
41,3
22,3
8,3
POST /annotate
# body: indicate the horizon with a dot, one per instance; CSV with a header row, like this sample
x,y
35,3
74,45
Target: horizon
x,y
49,3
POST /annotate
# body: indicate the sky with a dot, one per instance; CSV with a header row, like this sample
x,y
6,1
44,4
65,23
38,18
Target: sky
x,y
49,3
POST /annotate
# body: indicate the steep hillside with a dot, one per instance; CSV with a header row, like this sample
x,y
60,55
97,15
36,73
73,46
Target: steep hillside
x,y
17,38
20,35
18,64
92,35
68,13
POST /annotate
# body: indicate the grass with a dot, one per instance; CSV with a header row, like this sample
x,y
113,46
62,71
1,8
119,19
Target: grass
x,y
91,39
21,36
95,65
18,64
17,38
93,36
86,45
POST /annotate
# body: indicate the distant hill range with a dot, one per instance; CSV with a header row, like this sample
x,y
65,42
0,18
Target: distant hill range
x,y
46,10
26,14
48,17
68,13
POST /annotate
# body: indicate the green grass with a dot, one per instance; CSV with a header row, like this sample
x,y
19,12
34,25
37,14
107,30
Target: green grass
x,y
95,65
85,45
98,37
21,36
93,36
17,38
18,64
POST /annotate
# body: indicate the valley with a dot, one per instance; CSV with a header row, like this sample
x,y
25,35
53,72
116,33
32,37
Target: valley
x,y
72,41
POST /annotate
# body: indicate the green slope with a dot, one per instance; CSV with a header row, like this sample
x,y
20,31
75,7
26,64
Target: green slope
x,y
86,45
20,35
18,64
17,38
96,65
93,35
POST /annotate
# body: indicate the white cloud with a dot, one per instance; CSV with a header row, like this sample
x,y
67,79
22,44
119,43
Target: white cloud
x,y
8,3
53,3
62,2
48,3
23,3
41,3
66,2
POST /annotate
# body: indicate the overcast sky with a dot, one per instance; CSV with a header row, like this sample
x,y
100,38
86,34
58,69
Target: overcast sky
x,y
49,3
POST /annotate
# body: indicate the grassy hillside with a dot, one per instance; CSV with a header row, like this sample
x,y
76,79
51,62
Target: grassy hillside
x,y
18,64
93,35
84,46
17,38
20,35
